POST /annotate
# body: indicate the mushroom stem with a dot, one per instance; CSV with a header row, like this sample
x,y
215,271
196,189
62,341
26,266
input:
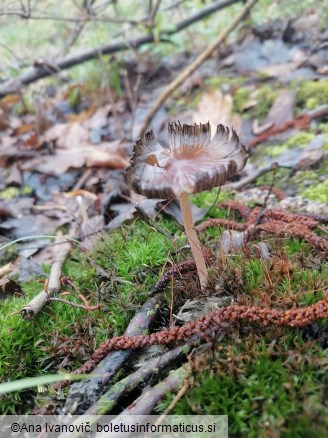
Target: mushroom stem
x,y
193,240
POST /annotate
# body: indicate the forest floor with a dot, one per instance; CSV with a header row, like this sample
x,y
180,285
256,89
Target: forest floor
x,y
62,162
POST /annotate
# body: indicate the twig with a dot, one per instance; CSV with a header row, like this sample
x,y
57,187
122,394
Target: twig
x,y
30,310
79,306
41,71
109,400
194,66
302,121
83,394
251,178
173,403
149,399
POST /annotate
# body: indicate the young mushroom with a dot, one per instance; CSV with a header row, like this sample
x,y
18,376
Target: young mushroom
x,y
192,163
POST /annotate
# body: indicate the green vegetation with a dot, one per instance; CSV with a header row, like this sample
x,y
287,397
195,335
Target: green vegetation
x,y
133,257
264,385
248,376
240,99
14,192
311,94
265,97
317,192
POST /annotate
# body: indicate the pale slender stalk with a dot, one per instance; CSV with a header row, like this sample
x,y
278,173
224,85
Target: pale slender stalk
x,y
193,240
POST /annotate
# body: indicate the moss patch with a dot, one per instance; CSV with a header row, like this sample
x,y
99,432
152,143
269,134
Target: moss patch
x,y
14,192
264,389
317,192
133,257
311,94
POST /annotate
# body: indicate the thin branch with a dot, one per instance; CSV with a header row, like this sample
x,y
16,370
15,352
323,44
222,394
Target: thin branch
x,y
115,393
148,400
194,66
79,306
251,178
82,394
30,310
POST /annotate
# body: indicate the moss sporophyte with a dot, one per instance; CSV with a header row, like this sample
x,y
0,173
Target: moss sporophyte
x,y
192,163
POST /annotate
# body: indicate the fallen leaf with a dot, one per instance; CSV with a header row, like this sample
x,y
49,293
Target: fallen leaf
x,y
90,229
282,109
216,108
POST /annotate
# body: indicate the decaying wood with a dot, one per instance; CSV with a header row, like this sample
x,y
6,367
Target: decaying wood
x,y
148,400
194,66
109,400
82,394
45,69
61,250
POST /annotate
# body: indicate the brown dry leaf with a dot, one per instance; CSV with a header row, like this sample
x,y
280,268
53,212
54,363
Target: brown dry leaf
x,y
216,108
23,129
67,135
282,109
11,99
81,117
91,231
74,150
6,269
99,118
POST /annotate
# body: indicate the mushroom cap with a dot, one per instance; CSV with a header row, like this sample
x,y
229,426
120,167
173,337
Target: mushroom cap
x,y
192,163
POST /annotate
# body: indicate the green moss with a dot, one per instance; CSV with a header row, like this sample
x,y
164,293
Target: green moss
x,y
270,380
300,140
14,192
133,257
311,94
318,192
240,98
216,82
265,97
261,392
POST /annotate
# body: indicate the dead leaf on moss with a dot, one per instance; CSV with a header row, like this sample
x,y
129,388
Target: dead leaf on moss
x,y
282,109
217,108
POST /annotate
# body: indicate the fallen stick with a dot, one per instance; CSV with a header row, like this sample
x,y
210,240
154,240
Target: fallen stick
x,y
109,400
61,249
43,70
302,121
82,394
148,400
194,66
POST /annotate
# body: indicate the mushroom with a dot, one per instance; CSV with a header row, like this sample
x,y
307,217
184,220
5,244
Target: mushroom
x,y
192,163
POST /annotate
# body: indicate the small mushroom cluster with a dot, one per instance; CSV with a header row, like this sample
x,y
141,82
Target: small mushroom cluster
x,y
193,163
